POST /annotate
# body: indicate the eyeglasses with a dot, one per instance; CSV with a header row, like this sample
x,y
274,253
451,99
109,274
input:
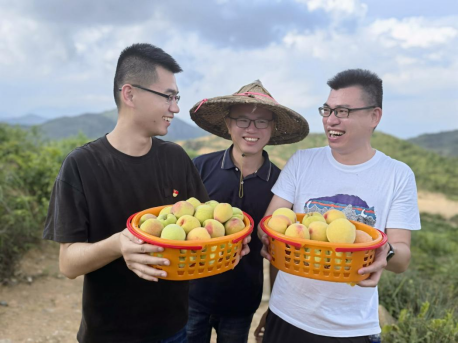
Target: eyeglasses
x,y
245,122
170,97
340,112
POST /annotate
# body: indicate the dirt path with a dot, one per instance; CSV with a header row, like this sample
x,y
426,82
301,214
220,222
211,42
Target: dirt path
x,y
41,305
44,306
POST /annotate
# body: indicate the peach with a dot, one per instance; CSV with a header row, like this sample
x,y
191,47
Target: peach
x,y
167,219
214,228
341,231
203,212
312,217
166,210
212,203
222,212
286,212
146,217
362,236
182,208
188,222
317,231
333,214
173,232
152,226
199,233
296,230
194,201
236,212
234,225
279,223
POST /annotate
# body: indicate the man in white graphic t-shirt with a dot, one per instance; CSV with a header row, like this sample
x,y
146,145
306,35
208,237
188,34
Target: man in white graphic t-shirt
x,y
369,187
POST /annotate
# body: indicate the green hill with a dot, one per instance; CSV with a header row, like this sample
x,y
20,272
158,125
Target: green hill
x,y
433,172
96,125
445,143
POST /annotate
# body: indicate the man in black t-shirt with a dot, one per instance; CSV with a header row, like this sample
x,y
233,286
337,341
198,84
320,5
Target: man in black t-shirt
x,y
243,176
105,181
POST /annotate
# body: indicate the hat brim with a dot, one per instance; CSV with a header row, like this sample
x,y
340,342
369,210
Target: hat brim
x,y
290,127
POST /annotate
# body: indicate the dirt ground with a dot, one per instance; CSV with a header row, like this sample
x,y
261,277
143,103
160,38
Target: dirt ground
x,y
41,305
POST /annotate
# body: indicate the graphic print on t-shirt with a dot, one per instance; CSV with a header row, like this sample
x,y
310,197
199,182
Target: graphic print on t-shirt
x,y
354,207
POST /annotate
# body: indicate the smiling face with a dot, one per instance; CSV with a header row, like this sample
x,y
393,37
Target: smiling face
x,y
350,136
153,114
251,140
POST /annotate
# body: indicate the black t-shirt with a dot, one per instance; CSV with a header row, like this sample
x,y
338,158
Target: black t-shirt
x,y
97,189
238,291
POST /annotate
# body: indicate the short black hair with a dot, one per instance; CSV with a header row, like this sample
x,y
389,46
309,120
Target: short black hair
x,y
370,83
137,65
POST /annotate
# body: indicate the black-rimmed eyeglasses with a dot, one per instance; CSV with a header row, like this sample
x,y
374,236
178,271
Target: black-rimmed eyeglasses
x,y
340,112
242,122
169,97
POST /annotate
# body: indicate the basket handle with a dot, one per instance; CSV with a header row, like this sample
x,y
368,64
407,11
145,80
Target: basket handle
x,y
249,232
151,241
292,243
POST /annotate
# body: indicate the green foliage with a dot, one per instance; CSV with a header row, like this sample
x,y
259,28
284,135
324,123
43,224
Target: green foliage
x,y
424,299
28,168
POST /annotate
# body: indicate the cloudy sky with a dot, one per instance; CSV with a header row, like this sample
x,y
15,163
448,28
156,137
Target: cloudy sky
x,y
58,57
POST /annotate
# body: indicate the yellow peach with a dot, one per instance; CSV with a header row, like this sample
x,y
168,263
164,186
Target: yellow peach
x,y
286,212
234,225
317,231
333,214
152,226
296,230
198,233
279,223
341,231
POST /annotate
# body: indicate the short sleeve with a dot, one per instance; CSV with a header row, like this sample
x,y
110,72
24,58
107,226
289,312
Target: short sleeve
x,y
404,213
286,184
67,219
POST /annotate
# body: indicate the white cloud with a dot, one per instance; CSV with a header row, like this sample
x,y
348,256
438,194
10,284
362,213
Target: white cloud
x,y
337,7
412,33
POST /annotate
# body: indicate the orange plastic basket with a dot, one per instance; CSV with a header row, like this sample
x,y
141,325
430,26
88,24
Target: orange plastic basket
x,y
323,260
197,258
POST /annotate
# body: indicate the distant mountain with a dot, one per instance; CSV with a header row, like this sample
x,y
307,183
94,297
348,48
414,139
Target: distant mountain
x,y
24,120
91,125
96,125
445,143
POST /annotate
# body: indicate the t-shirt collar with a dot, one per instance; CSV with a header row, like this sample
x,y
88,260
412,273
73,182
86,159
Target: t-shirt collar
x,y
263,172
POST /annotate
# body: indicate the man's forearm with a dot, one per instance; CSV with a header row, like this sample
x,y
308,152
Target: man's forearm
x,y
400,261
78,259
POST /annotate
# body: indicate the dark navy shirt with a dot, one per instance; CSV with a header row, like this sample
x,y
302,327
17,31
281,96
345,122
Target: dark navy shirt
x,y
237,291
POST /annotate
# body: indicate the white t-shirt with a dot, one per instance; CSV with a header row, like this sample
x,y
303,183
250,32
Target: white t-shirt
x,y
380,192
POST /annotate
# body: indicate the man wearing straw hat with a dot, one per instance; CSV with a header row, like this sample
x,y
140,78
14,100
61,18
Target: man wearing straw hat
x,y
105,181
243,176
372,188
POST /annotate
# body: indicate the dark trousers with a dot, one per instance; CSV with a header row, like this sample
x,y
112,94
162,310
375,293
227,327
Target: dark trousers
x,y
279,331
229,329
179,337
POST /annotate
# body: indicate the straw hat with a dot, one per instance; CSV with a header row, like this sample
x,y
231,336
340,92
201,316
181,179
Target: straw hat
x,y
209,114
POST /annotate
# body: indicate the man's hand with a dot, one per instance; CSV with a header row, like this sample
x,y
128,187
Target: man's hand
x,y
137,257
376,268
245,247
259,332
265,246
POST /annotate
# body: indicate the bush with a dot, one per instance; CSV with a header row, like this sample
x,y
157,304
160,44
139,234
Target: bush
x,y
424,299
28,168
